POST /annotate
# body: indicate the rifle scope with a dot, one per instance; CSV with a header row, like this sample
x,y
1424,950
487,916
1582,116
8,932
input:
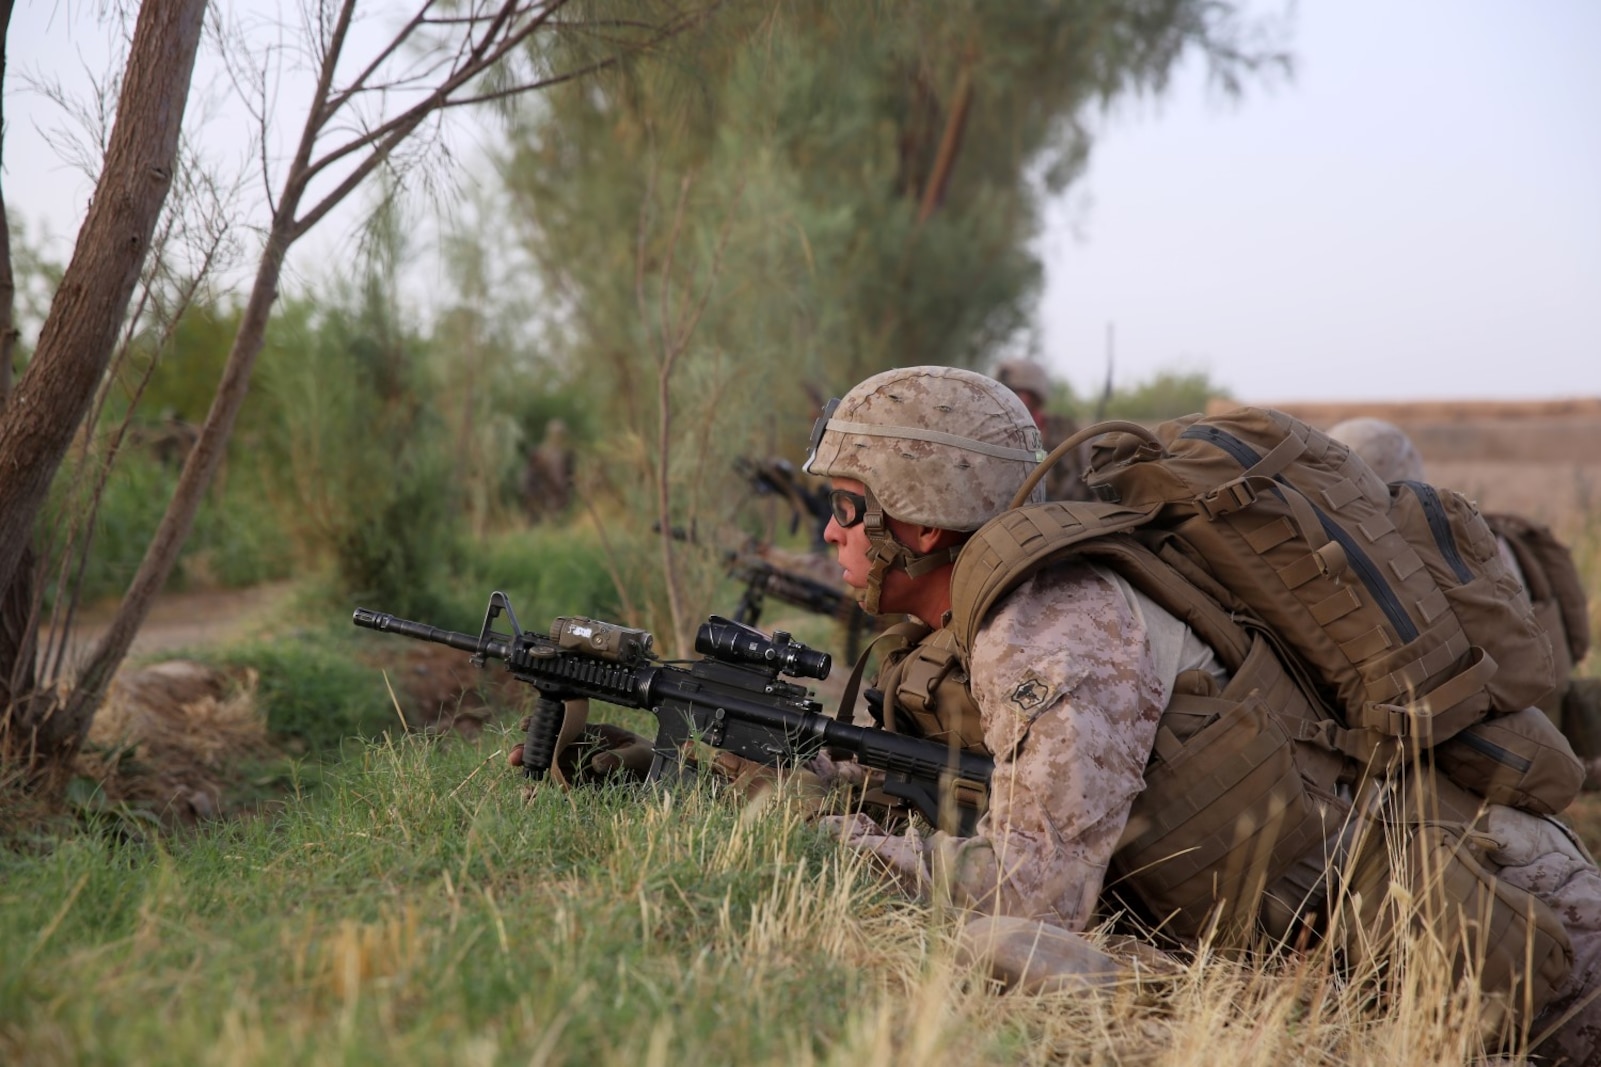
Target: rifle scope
x,y
735,642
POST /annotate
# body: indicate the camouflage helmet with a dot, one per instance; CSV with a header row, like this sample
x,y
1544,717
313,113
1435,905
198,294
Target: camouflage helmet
x,y
1384,446
1018,374
937,446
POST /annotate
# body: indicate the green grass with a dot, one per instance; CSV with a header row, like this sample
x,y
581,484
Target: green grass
x,y
314,688
417,909
546,570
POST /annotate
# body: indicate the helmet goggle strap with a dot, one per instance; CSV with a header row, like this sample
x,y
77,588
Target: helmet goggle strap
x,y
885,552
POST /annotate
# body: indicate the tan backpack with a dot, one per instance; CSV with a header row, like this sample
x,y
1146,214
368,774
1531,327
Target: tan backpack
x,y
1394,596
1426,557
1550,575
1552,581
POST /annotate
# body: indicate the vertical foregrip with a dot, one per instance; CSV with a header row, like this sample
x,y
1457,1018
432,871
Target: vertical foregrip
x,y
544,727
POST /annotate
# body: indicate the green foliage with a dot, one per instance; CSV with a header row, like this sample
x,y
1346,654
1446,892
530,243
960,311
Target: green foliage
x,y
355,452
800,195
188,367
236,541
315,688
1165,395
135,497
546,571
496,390
238,538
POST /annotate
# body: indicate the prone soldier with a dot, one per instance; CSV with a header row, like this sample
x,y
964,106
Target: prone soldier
x,y
1110,715
1078,684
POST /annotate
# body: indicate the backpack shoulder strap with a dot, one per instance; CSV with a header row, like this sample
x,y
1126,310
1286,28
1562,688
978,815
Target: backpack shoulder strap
x,y
1016,543
1175,594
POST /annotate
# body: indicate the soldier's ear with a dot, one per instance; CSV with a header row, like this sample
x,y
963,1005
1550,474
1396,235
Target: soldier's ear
x,y
933,538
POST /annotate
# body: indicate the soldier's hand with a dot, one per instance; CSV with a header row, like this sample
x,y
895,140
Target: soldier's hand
x,y
605,753
600,753
795,788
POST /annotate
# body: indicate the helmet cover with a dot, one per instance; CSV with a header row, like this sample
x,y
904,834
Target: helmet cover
x,y
1018,374
937,446
1384,446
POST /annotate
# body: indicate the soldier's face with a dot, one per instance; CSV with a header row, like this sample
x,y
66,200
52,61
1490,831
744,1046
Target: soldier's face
x,y
850,544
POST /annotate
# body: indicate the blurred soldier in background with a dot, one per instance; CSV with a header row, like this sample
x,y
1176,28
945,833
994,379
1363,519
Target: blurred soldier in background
x,y
547,479
173,440
1033,387
1541,562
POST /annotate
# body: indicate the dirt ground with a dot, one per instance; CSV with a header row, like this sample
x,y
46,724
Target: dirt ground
x,y
432,682
190,619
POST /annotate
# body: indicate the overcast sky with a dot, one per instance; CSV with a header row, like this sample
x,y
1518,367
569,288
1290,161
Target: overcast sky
x,y
1416,214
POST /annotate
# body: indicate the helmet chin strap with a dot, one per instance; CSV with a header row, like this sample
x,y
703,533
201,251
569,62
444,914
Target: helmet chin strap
x,y
884,552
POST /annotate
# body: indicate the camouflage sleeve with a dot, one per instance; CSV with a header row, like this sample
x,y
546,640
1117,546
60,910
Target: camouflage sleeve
x,y
1063,675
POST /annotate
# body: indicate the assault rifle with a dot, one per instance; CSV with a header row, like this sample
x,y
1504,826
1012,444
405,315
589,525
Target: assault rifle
x,y
733,700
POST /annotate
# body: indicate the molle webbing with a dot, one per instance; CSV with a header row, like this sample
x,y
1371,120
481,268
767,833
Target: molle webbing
x,y
1016,543
926,692
1392,596
1230,803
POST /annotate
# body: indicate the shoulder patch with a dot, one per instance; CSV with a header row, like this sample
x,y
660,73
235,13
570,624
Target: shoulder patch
x,y
1029,695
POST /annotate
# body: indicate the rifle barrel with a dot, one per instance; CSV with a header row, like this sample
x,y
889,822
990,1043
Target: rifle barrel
x,y
394,624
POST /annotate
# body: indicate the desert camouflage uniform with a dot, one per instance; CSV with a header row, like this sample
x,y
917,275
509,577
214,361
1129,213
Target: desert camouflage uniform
x,y
1540,855
1072,673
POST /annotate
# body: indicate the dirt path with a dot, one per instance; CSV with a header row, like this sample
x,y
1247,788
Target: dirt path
x,y
189,620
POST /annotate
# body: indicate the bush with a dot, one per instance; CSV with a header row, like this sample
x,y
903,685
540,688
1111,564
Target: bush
x,y
1167,394
357,461
237,539
136,496
546,571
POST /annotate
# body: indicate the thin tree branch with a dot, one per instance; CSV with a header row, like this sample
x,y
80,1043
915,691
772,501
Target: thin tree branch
x,y
355,87
479,61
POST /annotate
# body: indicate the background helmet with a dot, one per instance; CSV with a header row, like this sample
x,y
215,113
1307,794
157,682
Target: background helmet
x,y
1385,447
1025,374
937,446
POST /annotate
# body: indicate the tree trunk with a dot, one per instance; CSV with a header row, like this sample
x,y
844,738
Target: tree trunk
x,y
8,282
198,471
19,630
80,332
